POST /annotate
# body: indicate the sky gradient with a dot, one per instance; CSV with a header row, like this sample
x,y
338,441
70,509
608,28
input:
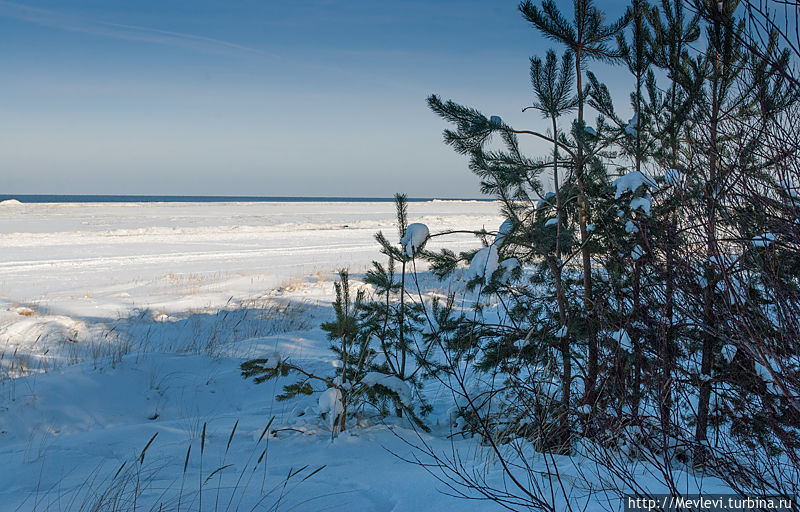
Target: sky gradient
x,y
313,98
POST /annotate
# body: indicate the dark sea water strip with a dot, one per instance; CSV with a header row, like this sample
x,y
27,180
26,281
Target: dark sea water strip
x,y
54,198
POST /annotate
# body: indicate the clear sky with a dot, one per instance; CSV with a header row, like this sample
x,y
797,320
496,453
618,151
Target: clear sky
x,y
251,97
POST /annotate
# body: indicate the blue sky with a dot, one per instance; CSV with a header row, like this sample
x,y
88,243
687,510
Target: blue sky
x,y
251,97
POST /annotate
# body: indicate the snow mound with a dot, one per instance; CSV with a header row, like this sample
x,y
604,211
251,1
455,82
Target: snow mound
x,y
729,352
623,338
330,401
10,202
590,131
484,263
24,311
416,235
503,231
392,383
631,128
631,182
545,200
508,266
641,203
273,360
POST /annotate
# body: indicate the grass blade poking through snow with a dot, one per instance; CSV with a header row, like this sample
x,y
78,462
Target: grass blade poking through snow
x,y
139,469
141,456
202,449
247,464
224,457
183,478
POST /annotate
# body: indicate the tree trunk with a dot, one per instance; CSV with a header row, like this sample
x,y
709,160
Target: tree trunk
x,y
709,337
591,379
343,419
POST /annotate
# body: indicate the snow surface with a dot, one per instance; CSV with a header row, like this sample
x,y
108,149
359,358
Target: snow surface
x,y
503,231
106,260
415,235
484,263
120,322
630,183
641,203
390,382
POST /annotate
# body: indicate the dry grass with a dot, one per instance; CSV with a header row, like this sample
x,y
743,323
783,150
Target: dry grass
x,y
42,348
145,483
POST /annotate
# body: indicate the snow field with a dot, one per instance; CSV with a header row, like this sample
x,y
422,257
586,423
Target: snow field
x,y
119,322
122,332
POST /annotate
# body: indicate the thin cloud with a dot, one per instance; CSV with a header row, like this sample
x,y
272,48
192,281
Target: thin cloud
x,y
69,22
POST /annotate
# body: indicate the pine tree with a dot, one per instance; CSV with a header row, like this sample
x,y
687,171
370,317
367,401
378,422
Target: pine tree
x,y
587,37
552,85
718,70
349,341
694,295
637,57
365,374
669,42
396,318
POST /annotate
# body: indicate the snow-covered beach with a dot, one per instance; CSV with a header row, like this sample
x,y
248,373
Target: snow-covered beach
x,y
123,328
601,316
104,258
119,321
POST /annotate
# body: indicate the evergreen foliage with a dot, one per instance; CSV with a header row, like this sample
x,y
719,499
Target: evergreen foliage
x,y
658,254
378,343
643,292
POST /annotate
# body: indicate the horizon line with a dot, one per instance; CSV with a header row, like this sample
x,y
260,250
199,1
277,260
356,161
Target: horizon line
x,y
148,198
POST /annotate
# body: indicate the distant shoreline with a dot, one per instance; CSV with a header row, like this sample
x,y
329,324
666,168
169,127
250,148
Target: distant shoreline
x,y
118,198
